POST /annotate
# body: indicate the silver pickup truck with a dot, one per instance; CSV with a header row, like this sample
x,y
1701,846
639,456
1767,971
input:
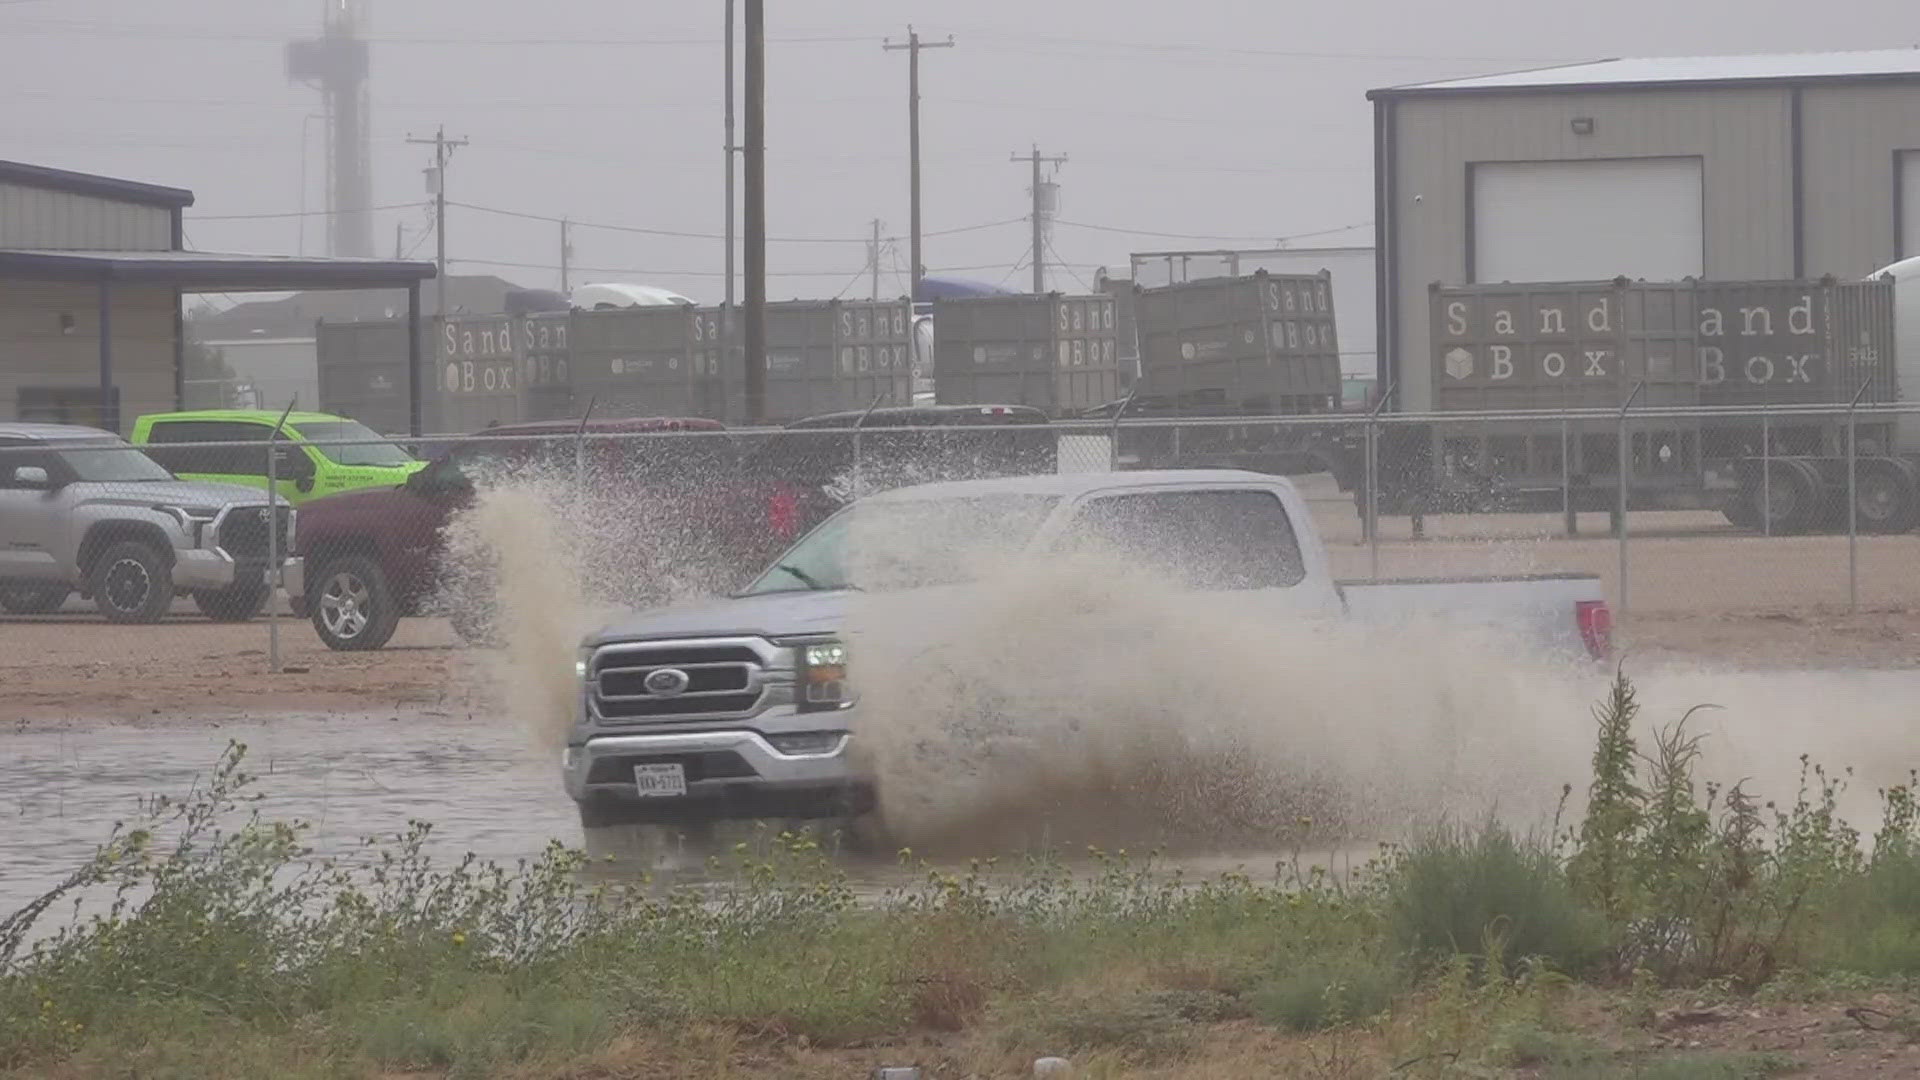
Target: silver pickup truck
x,y
80,509
745,707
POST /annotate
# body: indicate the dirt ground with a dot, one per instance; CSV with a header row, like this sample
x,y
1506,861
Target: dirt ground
x,y
77,668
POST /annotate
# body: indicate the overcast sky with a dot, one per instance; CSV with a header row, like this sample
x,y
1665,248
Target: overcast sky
x,y
1224,122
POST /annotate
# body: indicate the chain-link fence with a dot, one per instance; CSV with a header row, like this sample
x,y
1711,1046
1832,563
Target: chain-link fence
x,y
1714,512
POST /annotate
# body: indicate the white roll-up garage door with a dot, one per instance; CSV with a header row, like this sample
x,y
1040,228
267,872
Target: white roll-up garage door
x,y
1909,196
1588,220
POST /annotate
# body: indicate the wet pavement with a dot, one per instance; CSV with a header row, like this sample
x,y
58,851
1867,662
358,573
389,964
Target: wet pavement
x,y
485,788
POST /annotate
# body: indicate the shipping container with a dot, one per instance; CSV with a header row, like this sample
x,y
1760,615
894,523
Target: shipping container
x,y
545,347
1263,344
831,355
1794,342
1354,296
1580,345
472,377
648,361
1056,353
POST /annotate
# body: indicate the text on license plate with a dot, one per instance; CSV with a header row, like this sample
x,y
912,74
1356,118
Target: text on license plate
x,y
660,780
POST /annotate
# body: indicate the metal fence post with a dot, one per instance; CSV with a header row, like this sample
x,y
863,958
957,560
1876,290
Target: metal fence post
x,y
1566,479
1626,467
1766,470
1853,504
1113,432
1370,511
275,571
580,445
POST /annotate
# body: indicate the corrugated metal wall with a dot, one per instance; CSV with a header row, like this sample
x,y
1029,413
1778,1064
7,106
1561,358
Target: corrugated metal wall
x,y
33,218
1742,136
1850,136
35,353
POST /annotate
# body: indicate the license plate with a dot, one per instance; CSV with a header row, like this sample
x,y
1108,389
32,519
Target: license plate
x,y
660,781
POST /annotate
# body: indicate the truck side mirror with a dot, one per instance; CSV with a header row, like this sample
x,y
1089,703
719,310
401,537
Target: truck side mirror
x,y
33,478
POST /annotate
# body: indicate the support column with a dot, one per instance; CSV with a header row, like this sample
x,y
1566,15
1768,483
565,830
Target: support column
x,y
413,359
109,415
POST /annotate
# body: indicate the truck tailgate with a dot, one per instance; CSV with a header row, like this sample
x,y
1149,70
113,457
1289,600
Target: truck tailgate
x,y
1563,614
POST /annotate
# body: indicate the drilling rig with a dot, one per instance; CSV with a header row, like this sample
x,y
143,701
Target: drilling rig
x,y
335,63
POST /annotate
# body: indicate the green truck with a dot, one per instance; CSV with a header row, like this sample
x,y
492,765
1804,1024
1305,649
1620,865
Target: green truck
x,y
327,455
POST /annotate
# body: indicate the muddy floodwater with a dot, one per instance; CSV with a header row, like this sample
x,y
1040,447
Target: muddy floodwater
x,y
482,785
489,788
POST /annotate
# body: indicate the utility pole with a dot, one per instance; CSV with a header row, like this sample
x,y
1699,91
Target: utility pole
x,y
566,259
730,150
755,152
1041,208
443,148
913,47
873,260
398,226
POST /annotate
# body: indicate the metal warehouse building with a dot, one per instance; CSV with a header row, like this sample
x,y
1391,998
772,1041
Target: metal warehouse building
x,y
1738,167
92,269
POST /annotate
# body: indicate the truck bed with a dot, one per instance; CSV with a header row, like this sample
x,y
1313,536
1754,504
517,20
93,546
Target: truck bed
x,y
1564,614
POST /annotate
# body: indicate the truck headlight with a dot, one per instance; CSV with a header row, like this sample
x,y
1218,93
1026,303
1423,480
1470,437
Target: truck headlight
x,y
582,663
823,676
192,519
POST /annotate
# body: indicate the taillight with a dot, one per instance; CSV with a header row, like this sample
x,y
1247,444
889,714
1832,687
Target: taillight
x,y
783,513
1595,620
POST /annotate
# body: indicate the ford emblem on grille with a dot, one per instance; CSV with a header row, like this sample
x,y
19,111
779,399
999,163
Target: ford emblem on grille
x,y
667,682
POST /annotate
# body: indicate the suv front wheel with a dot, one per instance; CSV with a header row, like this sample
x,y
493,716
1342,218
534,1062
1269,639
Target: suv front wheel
x,y
351,604
132,583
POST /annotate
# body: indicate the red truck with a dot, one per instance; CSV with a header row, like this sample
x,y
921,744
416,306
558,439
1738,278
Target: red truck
x,y
369,557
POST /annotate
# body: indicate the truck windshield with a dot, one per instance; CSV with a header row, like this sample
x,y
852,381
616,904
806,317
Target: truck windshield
x,y
909,543
104,462
348,442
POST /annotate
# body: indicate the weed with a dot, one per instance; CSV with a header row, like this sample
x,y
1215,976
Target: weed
x,y
1455,887
1323,994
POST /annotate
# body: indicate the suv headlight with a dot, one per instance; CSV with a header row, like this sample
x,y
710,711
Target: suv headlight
x,y
192,519
822,672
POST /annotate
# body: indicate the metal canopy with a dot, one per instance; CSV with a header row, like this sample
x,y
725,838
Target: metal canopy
x,y
208,271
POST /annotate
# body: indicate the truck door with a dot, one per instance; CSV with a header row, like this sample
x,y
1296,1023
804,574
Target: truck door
x,y
33,519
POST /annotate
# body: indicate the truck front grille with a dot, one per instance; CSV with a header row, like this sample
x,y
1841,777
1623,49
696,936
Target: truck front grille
x,y
695,681
710,765
243,532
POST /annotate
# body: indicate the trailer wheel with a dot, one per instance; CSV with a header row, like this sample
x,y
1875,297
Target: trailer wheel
x,y
1885,494
1792,499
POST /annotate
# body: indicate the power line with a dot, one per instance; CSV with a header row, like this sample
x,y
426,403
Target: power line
x,y
682,234
1068,267
1200,236
180,33
656,272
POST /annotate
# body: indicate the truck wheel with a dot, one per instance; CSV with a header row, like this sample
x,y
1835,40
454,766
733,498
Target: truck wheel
x,y
1885,493
237,604
131,583
1792,499
352,606
33,598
